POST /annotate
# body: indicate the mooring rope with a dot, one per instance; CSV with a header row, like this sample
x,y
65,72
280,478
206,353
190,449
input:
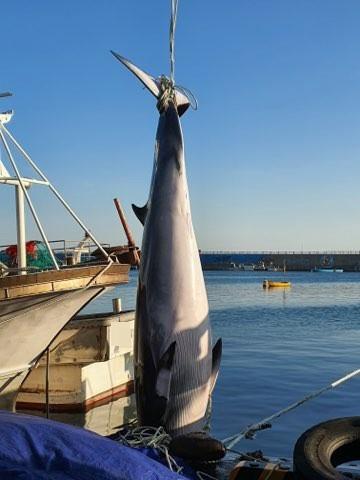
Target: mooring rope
x,y
251,430
149,437
204,476
156,438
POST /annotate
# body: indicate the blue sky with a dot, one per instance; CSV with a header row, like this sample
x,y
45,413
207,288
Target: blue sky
x,y
272,152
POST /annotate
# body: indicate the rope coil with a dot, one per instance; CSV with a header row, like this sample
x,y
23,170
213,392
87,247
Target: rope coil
x,y
157,438
149,437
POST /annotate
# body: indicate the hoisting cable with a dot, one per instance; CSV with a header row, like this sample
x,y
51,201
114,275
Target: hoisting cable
x,y
251,430
174,9
167,85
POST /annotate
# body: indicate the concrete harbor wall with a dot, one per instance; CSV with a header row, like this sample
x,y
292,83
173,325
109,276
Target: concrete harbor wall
x,y
294,261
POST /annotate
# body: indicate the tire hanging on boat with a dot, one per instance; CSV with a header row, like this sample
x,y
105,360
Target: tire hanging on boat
x,y
323,447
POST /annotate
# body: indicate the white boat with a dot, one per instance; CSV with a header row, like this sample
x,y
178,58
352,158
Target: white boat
x,y
260,267
273,268
90,363
248,267
36,305
33,310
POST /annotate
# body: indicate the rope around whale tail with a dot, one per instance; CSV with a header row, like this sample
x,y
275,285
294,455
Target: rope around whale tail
x,y
250,431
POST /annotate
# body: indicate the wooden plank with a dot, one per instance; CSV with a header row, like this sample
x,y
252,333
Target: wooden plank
x,y
61,280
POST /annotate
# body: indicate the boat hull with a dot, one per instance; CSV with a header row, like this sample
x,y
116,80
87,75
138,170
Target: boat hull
x,y
34,308
26,332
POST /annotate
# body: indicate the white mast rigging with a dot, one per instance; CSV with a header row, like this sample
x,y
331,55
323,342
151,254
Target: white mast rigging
x,y
22,184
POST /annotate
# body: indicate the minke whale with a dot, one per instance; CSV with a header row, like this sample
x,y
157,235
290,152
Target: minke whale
x,y
175,365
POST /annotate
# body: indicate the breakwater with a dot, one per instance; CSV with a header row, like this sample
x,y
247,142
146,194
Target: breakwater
x,y
349,261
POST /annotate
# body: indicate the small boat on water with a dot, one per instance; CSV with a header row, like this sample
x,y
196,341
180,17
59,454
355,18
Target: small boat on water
x,y
276,284
273,268
248,267
260,267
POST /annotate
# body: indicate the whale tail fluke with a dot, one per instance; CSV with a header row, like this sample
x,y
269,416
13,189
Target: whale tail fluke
x,y
153,85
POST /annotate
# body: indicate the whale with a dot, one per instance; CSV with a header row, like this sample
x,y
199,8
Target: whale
x,y
175,365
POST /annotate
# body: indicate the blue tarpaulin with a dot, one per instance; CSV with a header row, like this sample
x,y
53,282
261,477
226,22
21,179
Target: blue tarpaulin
x,y
33,448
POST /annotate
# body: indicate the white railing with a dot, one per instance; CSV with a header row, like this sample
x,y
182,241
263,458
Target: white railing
x,y
67,252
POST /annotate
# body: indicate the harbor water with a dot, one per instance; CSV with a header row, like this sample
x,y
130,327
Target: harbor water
x,y
278,345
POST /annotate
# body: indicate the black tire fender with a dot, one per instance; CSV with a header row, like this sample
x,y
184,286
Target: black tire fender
x,y
323,447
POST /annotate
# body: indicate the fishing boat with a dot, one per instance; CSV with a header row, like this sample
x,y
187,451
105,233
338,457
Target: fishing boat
x,y
129,253
260,267
90,363
124,253
248,267
276,284
273,268
37,301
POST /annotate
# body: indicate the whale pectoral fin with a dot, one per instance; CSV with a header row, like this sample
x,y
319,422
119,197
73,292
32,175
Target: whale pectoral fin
x,y
216,359
163,379
140,212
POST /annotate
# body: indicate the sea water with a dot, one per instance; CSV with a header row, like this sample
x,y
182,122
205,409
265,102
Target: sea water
x,y
278,345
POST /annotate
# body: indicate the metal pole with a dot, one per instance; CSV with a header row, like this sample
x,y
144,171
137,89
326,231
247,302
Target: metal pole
x,y
116,305
55,192
130,238
20,221
23,188
47,383
125,225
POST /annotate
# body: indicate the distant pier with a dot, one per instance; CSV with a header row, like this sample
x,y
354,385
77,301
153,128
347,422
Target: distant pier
x,y
349,261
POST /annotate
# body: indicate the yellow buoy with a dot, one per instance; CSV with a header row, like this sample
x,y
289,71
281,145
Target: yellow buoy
x,y
275,284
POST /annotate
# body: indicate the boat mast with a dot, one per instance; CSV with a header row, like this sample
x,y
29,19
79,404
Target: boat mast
x,y
20,224
19,201
21,185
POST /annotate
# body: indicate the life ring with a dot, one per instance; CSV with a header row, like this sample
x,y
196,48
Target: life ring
x,y
323,447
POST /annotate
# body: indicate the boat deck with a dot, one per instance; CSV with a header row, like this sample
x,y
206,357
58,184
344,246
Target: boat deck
x,y
66,279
